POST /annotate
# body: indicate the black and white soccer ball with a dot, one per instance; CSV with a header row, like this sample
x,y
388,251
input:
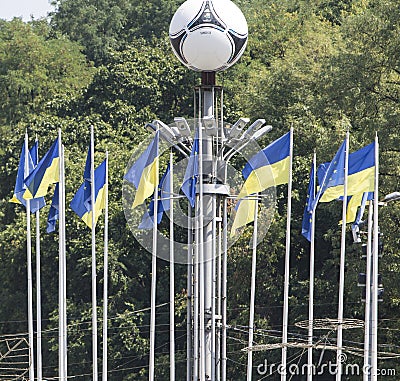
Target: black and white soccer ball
x,y
208,35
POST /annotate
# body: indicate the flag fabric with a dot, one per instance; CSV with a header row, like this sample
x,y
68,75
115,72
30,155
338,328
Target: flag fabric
x,y
192,173
82,206
144,172
361,175
54,211
46,173
330,174
20,188
164,202
245,210
308,212
367,196
267,168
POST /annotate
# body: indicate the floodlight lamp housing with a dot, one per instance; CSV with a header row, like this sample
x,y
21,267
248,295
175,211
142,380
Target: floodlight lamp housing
x,y
254,127
183,126
210,126
237,128
165,130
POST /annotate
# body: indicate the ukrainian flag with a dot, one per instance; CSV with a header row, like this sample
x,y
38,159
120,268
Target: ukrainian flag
x,y
267,168
54,211
47,172
361,175
144,172
82,205
20,188
245,210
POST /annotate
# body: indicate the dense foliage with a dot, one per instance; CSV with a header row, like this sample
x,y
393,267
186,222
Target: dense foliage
x,y
321,68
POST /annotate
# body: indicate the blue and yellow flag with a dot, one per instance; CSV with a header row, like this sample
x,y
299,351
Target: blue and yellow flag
x,y
82,206
361,176
330,174
164,202
20,188
245,210
54,211
308,212
47,172
144,172
192,173
267,168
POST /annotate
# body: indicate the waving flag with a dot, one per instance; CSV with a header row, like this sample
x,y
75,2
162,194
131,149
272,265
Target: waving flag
x,y
245,210
53,212
46,173
308,215
20,188
267,168
144,172
164,203
82,205
192,173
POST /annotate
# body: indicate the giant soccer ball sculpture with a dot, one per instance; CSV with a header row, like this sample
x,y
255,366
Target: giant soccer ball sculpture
x,y
208,35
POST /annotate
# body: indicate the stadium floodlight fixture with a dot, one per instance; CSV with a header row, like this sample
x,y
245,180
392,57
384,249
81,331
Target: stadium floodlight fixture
x,y
394,196
165,130
210,125
245,139
236,129
253,128
182,126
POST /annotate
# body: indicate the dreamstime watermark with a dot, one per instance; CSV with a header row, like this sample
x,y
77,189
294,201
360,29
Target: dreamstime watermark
x,y
329,368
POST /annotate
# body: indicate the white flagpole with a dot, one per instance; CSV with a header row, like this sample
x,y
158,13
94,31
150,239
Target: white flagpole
x,y
224,289
311,285
38,301
375,271
29,269
171,271
189,345
94,281
287,265
38,297
62,339
105,280
368,275
339,359
252,293
196,264
153,280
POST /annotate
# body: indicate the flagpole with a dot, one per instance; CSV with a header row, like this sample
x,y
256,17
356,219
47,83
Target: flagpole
x,y
29,270
189,344
287,265
252,292
38,293
311,282
171,270
368,275
375,271
339,359
105,279
62,276
38,301
153,280
94,290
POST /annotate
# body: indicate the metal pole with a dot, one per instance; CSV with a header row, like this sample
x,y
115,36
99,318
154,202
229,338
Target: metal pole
x,y
375,271
105,280
189,342
224,291
153,281
29,270
38,301
342,266
94,275
61,350
368,285
311,286
252,293
171,272
287,265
